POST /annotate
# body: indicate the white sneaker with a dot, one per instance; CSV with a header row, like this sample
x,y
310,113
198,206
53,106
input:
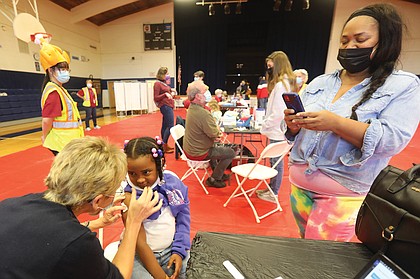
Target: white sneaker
x,y
97,127
88,129
267,197
259,192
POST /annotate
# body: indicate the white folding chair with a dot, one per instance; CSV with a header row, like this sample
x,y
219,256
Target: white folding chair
x,y
259,172
178,132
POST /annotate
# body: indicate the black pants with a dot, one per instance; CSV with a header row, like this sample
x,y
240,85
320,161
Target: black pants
x,y
90,112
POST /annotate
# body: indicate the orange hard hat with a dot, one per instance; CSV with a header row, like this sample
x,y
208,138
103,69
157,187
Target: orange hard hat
x,y
51,55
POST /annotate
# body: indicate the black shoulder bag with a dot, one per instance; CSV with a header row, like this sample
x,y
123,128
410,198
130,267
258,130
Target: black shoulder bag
x,y
389,218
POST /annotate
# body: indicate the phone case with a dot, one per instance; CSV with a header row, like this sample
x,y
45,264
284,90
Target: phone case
x,y
292,101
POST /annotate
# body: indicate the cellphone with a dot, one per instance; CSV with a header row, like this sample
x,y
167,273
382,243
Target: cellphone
x,y
293,101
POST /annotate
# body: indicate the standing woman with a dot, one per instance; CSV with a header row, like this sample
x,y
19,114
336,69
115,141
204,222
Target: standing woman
x,y
280,79
356,119
301,79
163,97
61,120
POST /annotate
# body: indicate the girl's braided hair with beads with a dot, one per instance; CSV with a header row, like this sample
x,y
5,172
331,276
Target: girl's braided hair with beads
x,y
390,27
147,146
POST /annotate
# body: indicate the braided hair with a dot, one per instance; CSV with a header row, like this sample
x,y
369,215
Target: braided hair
x,y
143,146
390,27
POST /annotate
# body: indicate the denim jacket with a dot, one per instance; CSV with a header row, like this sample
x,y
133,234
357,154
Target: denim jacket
x,y
392,114
175,195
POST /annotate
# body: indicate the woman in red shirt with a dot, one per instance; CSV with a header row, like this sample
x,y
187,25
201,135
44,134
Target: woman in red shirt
x,y
163,97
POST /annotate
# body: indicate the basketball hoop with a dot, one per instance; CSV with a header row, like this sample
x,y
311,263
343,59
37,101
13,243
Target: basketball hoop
x,y
24,25
40,38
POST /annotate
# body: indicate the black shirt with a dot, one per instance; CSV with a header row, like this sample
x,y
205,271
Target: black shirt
x,y
42,239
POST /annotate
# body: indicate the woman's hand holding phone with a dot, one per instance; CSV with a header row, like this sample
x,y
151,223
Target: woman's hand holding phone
x,y
289,116
294,105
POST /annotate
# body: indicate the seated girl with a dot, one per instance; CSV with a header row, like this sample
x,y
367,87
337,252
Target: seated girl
x,y
163,244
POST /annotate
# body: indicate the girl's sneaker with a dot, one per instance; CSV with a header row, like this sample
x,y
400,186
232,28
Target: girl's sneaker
x,y
267,196
259,192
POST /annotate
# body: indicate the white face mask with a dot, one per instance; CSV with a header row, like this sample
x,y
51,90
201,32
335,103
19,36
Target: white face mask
x,y
89,85
196,78
127,178
62,76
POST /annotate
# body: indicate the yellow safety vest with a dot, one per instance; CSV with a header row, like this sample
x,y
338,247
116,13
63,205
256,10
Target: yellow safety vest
x,y
86,97
68,125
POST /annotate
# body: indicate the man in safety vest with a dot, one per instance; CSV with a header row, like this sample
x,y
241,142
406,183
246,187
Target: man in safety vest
x,y
61,120
90,102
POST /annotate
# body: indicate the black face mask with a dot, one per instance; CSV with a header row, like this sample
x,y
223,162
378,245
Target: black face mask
x,y
354,60
269,71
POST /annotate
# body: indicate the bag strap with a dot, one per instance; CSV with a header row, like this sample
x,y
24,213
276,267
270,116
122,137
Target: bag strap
x,y
404,179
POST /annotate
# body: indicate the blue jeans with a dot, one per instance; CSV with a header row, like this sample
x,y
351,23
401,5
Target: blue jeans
x,y
139,271
262,103
90,112
275,182
167,122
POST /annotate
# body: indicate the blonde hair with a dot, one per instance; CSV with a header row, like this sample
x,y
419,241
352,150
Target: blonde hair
x,y
84,169
162,73
213,105
281,67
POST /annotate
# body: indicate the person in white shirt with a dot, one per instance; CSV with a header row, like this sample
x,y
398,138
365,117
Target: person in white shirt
x,y
280,79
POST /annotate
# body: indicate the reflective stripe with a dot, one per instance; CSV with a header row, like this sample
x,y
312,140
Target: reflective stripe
x,y
68,125
65,125
64,96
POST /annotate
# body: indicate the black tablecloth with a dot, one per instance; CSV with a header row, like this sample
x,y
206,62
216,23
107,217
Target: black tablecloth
x,y
271,257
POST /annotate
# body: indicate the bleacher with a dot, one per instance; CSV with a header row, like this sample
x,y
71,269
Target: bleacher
x,y
20,96
16,104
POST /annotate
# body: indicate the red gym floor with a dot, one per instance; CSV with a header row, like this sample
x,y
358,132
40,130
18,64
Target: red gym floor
x,y
23,172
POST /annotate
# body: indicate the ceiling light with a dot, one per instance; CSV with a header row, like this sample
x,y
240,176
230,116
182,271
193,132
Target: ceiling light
x,y
276,6
227,9
211,10
238,9
305,5
288,6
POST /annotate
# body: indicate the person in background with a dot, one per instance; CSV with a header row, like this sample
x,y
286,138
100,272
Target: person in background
x,y
243,88
301,79
215,111
163,248
248,92
201,132
41,233
61,120
218,95
90,102
163,97
240,101
262,93
355,120
225,96
199,75
280,79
